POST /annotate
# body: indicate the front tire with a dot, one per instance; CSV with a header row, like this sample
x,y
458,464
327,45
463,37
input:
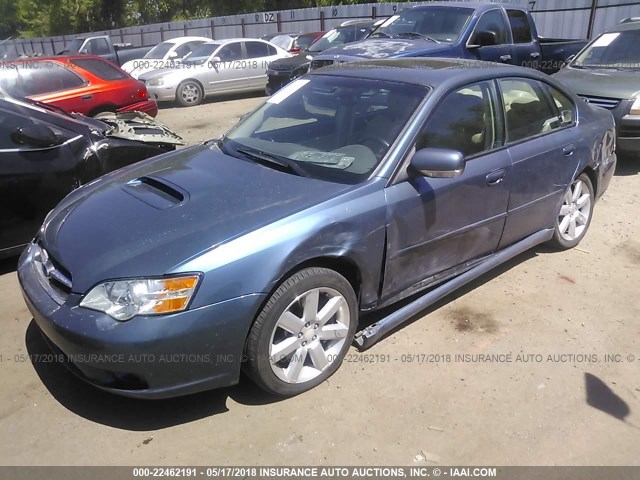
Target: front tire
x,y
574,217
189,93
303,333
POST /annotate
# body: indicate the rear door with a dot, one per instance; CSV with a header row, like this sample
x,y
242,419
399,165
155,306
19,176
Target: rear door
x,y
259,55
543,141
32,180
525,50
492,21
436,224
99,46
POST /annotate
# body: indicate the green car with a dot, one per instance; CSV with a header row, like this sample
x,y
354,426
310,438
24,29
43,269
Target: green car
x,y
606,73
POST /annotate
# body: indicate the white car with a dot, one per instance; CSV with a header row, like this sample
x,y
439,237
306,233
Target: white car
x,y
232,65
164,55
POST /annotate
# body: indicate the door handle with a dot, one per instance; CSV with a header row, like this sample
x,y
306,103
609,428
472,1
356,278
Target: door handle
x,y
568,150
495,178
505,58
87,97
535,55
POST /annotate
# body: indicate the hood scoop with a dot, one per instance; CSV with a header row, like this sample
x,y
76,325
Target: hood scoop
x,y
156,192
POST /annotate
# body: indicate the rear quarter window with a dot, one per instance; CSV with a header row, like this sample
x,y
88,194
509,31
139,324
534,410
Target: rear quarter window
x,y
100,68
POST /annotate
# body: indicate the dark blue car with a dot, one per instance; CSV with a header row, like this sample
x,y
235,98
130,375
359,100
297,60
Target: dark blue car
x,y
348,190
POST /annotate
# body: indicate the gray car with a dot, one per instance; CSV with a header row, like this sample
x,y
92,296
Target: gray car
x,y
607,74
223,66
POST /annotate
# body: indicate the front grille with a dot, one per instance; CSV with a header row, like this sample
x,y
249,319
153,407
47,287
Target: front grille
x,y
604,102
54,278
315,64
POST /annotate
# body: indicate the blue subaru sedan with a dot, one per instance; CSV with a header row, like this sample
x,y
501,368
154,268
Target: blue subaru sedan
x,y
349,190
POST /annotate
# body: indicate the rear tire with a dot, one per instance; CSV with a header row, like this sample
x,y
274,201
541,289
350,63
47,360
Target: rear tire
x,y
574,216
303,332
189,94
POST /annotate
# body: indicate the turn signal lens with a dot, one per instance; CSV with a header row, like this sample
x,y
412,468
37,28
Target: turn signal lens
x,y
124,299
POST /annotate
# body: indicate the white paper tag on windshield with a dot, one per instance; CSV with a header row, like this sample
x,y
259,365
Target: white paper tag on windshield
x,y
293,87
605,40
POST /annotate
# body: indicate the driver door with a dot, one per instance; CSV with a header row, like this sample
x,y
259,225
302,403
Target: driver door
x,y
437,224
492,21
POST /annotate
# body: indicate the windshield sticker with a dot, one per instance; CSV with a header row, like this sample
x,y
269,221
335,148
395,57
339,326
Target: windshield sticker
x,y
606,39
286,91
389,21
326,159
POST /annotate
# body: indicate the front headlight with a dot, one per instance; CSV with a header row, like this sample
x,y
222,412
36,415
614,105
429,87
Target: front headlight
x,y
635,108
124,299
156,82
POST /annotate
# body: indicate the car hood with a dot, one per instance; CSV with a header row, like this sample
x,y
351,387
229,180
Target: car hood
x,y
149,218
601,83
384,48
291,63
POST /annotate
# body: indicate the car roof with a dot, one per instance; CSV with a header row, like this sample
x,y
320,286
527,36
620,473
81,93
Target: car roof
x,y
185,39
430,72
222,41
624,27
471,5
58,58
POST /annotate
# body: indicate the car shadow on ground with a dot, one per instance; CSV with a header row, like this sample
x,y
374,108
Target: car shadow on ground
x,y
8,265
627,165
127,413
225,97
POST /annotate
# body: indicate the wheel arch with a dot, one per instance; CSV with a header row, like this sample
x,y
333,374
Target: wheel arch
x,y
104,108
593,177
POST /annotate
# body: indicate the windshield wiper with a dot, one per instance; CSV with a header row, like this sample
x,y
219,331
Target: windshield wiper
x,y
421,35
382,34
271,160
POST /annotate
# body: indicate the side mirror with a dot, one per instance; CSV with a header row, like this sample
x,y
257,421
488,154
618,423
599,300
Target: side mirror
x,y
570,59
39,136
216,60
438,162
484,38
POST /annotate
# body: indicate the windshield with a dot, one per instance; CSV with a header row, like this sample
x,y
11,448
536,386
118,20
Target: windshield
x,y
616,50
304,41
159,51
202,53
333,128
444,24
340,36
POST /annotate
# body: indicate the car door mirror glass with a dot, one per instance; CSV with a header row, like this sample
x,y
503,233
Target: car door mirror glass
x,y
39,136
483,38
438,162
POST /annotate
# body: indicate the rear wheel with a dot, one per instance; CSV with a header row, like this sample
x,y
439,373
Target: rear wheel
x,y
303,333
575,214
189,93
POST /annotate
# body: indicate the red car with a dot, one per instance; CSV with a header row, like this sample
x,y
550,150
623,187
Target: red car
x,y
304,41
81,83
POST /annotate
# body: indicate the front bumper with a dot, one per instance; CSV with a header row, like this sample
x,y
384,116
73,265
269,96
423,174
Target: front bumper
x,y
145,357
628,134
162,93
277,80
149,106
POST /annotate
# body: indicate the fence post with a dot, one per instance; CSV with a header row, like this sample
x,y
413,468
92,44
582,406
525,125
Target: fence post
x,y
121,37
242,26
184,28
592,17
322,20
374,12
53,47
279,22
213,29
161,33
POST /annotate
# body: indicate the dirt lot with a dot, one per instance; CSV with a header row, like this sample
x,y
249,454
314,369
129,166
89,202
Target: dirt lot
x,y
567,406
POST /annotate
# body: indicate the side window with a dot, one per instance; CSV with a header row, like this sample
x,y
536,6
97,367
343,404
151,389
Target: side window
x,y
464,121
272,51
100,68
493,21
565,106
185,49
256,49
98,46
519,26
49,77
230,52
528,109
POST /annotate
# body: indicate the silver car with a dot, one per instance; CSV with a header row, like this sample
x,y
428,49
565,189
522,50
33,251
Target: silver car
x,y
220,66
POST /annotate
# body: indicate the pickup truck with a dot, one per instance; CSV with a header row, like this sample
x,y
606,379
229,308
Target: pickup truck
x,y
102,46
482,31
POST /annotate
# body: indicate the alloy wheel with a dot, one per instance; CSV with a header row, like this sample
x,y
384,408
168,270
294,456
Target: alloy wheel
x,y
575,211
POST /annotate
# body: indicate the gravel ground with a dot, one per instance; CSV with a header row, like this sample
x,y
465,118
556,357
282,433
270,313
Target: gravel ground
x,y
410,399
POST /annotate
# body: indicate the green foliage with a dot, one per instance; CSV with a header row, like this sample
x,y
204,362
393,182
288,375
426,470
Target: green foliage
x,y
41,18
